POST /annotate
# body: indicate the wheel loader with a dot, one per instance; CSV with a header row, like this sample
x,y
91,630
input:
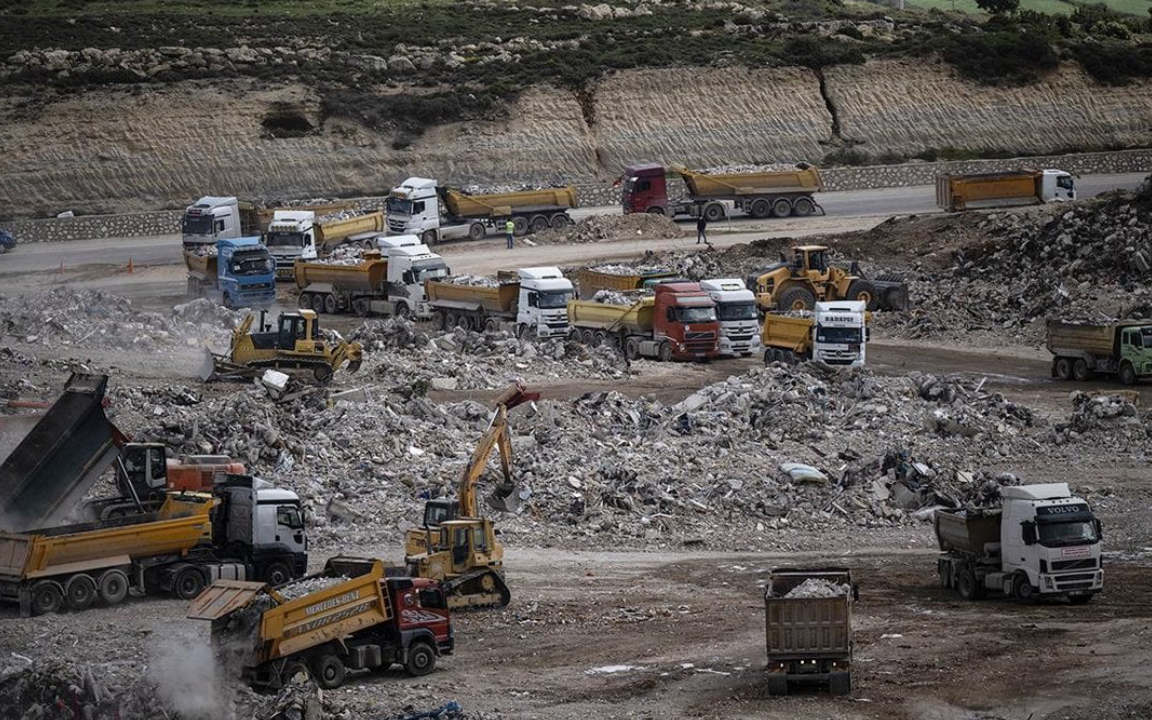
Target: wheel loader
x,y
457,546
296,345
808,278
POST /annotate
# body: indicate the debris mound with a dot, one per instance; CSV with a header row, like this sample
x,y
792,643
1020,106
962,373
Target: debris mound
x,y
598,228
819,588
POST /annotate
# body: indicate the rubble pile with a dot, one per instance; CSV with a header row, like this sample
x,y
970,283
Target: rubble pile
x,y
95,318
342,255
472,280
208,250
302,587
819,588
1111,419
637,269
612,297
742,169
338,215
611,227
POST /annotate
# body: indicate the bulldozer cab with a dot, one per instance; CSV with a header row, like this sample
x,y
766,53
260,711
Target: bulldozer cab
x,y
470,541
297,328
811,260
436,512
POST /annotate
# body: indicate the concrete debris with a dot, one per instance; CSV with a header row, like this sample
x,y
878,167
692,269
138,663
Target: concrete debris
x,y
473,280
637,269
611,227
302,587
819,588
342,255
612,297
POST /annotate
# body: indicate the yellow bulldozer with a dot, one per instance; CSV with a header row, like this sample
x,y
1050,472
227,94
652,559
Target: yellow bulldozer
x,y
295,345
456,545
808,278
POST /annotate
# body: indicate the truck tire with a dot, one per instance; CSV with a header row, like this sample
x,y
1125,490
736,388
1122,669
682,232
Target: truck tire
x,y
329,671
598,338
840,683
968,586
226,301
1062,368
491,325
538,223
768,356
632,349
803,207
944,570
782,207
402,310
47,597
714,212
655,210
777,684
80,591
318,303
188,583
1022,589
361,308
587,336
665,351
476,231
559,220
796,298
521,332
277,573
113,587
519,225
1127,375
421,659
862,291
304,302
1080,370
760,208
331,304
428,237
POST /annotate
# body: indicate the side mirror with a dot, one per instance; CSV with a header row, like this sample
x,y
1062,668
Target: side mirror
x,y
1099,530
532,299
408,277
1028,529
670,314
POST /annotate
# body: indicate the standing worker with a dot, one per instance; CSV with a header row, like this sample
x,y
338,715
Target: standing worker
x,y
509,228
702,230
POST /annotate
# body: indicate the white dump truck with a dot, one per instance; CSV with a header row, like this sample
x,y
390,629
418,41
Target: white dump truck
x,y
835,333
736,311
1041,542
535,299
301,235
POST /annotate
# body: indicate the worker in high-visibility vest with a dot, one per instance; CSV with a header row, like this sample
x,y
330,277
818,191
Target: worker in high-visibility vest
x,y
509,229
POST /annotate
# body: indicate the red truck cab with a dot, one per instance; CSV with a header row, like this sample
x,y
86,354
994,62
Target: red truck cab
x,y
686,316
645,189
421,614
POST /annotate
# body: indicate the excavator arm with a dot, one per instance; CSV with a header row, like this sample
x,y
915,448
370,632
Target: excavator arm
x,y
504,497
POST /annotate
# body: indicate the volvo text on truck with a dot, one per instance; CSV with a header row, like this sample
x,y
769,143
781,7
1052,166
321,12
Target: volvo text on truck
x,y
677,322
349,617
717,195
421,207
1041,542
1018,187
836,333
1083,350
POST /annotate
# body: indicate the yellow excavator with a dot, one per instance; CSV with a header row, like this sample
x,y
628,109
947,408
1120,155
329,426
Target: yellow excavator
x,y
808,278
295,345
456,545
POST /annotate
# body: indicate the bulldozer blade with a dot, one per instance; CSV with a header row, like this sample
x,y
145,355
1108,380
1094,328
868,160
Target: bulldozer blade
x,y
504,498
208,366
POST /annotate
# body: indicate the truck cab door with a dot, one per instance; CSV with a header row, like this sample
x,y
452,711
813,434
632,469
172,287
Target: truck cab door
x,y
290,528
461,549
1014,553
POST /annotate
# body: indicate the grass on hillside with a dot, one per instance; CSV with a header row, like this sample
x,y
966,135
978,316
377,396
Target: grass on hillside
x,y
1055,7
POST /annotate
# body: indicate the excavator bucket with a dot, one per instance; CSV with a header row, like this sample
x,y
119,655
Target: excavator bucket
x,y
505,498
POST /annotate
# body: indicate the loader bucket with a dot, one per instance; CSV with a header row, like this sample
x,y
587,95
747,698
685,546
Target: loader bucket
x,y
208,366
504,498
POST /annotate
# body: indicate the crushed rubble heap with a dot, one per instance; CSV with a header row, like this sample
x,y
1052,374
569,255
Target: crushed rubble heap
x,y
887,449
819,588
472,360
342,255
300,588
638,269
94,318
472,280
741,169
338,215
612,297
202,250
611,227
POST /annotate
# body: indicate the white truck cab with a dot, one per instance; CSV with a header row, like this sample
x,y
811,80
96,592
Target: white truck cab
x,y
1057,186
290,237
840,333
543,302
267,520
1051,537
414,208
410,264
736,311
210,219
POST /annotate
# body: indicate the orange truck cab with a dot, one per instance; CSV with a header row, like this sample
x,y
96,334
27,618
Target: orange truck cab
x,y
686,317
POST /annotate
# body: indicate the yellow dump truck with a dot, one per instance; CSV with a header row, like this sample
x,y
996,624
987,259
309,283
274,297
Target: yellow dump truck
x,y
304,235
421,207
476,305
808,628
619,279
836,333
351,616
1015,187
716,195
1080,351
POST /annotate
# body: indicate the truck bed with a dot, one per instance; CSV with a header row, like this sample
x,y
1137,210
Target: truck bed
x,y
473,297
604,316
504,204
956,192
722,185
367,276
799,627
338,230
967,531
1096,339
785,331
590,281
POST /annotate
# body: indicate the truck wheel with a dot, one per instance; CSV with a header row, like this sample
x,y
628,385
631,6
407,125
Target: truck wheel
x,y
402,310
318,303
476,231
227,301
539,223
862,291
598,338
632,349
428,237
322,373
768,356
945,573
586,337
803,207
519,225
777,684
421,659
796,298
655,210
329,671
188,584
782,208
713,212
968,586
113,587
521,332
80,591
1128,377
761,208
331,305
665,351
294,671
560,220
304,302
47,597
840,683
277,573
491,325
360,307
1022,589
1062,368
1081,371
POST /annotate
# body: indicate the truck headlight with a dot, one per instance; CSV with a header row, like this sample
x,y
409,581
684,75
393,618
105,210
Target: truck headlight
x,y
1048,582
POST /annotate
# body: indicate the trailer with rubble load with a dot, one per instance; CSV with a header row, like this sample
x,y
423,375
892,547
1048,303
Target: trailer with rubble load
x,y
351,616
1082,350
296,234
620,279
956,192
836,333
677,322
809,634
533,301
715,196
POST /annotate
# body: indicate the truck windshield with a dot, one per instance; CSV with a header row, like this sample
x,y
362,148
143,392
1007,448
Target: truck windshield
x,y
827,334
695,314
736,311
197,224
430,273
1064,181
1081,532
396,206
284,239
552,300
252,263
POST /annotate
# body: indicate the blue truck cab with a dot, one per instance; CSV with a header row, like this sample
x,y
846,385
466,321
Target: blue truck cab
x,y
245,273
